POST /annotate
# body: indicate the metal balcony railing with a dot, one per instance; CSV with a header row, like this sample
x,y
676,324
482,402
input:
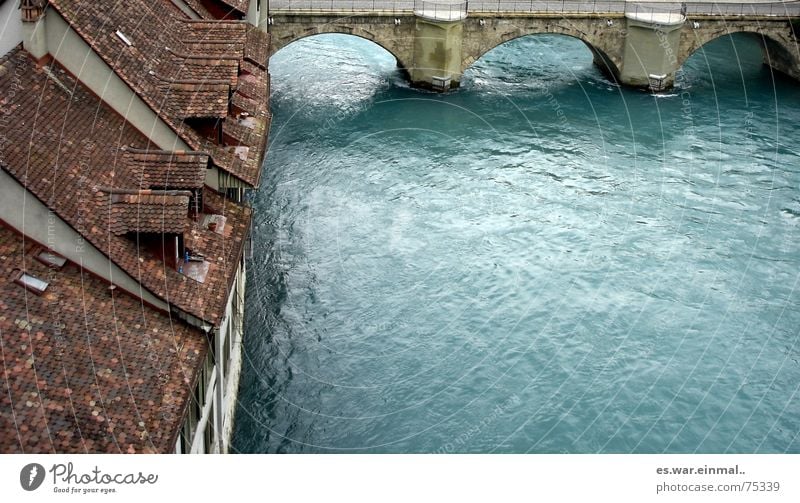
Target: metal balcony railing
x,y
666,13
441,10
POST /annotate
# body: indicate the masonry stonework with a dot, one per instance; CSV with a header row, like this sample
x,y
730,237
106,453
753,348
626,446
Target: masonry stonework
x,y
627,51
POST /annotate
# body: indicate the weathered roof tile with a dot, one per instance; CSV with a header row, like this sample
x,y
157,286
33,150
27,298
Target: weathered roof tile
x,y
157,169
96,374
170,49
148,211
256,48
73,145
240,5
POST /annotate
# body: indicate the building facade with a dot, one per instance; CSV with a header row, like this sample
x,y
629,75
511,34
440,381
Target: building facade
x,y
130,134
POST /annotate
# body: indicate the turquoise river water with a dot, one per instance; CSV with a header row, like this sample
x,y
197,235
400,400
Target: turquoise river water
x,y
540,261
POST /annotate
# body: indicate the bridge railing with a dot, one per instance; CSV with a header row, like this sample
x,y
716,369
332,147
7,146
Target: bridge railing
x,y
395,6
462,8
548,6
783,9
441,10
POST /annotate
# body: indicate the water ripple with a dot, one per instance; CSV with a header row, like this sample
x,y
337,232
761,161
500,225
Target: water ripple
x,y
540,261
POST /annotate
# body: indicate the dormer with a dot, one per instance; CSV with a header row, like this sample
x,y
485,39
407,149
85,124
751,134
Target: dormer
x,y
166,170
155,219
202,68
148,211
201,104
196,99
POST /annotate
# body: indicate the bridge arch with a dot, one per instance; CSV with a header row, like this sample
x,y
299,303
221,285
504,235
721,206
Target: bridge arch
x,y
397,44
593,32
601,59
779,52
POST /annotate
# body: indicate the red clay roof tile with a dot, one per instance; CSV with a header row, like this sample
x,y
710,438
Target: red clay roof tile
x,y
240,5
199,9
88,369
157,169
63,143
160,51
256,48
148,211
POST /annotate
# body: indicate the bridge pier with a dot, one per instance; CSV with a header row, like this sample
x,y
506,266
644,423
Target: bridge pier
x,y
783,58
437,54
435,43
438,36
652,45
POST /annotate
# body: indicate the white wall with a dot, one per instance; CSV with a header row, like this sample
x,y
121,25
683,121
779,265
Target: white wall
x,y
28,215
233,367
72,52
252,13
10,26
219,406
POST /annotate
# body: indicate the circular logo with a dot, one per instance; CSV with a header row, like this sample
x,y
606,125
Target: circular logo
x,y
31,476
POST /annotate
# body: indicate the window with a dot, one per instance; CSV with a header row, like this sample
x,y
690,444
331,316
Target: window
x,y
190,424
124,39
208,434
226,347
30,282
51,259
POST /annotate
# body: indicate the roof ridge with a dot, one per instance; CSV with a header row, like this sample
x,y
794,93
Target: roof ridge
x,y
221,57
190,81
143,192
135,150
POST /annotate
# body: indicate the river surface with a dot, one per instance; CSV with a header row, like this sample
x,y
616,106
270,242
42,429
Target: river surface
x,y
540,261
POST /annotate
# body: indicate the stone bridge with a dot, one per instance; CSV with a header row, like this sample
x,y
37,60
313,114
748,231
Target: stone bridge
x,y
635,44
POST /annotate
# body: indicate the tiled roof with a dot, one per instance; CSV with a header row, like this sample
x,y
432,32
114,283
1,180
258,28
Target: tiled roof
x,y
88,368
240,5
241,131
252,96
199,9
256,48
223,9
157,169
148,211
198,99
63,144
204,69
163,50
254,89
232,35
248,67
